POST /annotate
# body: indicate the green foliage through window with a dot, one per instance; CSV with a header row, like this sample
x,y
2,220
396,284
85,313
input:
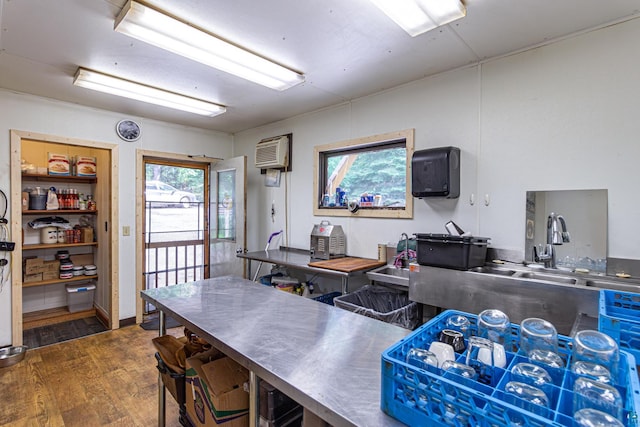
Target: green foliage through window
x,y
380,172
374,176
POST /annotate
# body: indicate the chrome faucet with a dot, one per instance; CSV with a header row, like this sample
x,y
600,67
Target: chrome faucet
x,y
557,234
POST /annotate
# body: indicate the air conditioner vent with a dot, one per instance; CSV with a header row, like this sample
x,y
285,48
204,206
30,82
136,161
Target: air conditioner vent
x,y
273,153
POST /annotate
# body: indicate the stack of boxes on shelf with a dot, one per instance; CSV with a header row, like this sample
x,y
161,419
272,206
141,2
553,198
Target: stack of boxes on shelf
x,y
36,269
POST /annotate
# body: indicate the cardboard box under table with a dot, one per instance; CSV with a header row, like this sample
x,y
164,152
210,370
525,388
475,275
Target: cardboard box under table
x,y
215,391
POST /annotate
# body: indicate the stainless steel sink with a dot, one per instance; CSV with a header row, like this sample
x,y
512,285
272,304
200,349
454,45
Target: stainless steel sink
x,y
390,274
616,286
548,277
493,270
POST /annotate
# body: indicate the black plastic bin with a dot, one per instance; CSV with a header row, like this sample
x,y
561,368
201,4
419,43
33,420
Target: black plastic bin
x,y
173,381
381,303
457,252
276,408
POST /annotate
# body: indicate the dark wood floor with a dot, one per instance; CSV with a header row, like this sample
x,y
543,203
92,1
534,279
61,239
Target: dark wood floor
x,y
52,334
107,379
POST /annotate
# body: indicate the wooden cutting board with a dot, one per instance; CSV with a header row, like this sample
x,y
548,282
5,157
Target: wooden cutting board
x,y
347,264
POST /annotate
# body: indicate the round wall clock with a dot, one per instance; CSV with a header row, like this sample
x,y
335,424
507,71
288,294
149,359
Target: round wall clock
x,y
128,130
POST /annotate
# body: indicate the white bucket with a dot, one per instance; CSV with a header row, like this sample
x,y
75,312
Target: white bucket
x,y
49,235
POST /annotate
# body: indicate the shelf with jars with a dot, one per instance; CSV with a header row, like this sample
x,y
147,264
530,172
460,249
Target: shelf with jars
x,y
56,245
60,212
58,178
60,201
56,281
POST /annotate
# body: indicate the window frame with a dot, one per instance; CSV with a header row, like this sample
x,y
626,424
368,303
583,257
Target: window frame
x,y
390,138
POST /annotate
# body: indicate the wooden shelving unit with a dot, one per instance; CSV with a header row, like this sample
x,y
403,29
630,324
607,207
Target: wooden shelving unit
x,y
56,245
60,212
65,178
42,296
54,281
59,314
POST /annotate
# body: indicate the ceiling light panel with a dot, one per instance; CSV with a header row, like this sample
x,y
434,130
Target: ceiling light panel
x,y
126,88
419,16
156,28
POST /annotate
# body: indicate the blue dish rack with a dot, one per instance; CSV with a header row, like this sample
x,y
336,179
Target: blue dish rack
x,y
419,397
327,298
619,317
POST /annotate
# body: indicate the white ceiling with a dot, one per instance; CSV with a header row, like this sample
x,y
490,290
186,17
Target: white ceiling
x,y
345,48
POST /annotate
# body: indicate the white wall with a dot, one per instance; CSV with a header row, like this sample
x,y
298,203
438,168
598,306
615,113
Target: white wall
x,y
562,116
40,115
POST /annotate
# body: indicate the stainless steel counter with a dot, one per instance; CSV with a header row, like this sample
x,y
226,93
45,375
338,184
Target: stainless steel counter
x,y
298,259
325,358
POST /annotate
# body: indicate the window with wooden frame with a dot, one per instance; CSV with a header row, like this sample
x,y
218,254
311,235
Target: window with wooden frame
x,y
371,174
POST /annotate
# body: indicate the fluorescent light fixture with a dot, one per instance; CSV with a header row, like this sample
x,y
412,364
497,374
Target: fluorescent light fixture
x,y
154,27
128,89
419,16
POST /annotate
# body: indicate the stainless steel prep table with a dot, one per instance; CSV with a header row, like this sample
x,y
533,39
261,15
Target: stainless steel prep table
x,y
298,259
325,358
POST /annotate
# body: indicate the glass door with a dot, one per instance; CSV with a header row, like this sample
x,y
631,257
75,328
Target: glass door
x,y
228,217
176,237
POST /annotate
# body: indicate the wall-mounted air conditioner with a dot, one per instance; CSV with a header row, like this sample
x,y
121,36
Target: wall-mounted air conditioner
x,y
272,153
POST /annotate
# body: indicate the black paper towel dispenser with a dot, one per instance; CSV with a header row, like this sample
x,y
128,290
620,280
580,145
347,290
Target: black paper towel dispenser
x,y
435,172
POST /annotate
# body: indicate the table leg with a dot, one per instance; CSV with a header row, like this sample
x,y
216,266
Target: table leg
x,y
161,391
345,285
247,270
254,400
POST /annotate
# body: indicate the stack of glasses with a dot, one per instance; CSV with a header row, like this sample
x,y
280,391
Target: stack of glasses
x,y
533,382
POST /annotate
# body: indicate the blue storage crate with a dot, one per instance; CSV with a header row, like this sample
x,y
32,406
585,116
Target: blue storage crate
x,y
327,298
433,397
619,317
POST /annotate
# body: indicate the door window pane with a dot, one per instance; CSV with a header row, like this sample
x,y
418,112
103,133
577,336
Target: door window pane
x,y
226,204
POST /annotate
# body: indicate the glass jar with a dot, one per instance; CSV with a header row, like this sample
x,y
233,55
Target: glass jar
x,y
91,204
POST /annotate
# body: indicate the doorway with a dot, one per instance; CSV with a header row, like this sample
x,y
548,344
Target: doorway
x,y
44,302
175,234
219,243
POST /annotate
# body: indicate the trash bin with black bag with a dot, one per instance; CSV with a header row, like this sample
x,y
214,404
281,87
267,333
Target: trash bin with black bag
x,y
382,303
